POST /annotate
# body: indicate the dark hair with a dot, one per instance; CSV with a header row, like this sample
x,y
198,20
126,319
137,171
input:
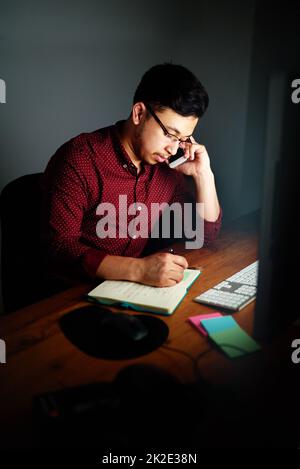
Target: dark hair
x,y
172,86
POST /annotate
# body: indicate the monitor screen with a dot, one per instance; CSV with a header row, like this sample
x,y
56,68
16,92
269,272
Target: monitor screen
x,y
278,285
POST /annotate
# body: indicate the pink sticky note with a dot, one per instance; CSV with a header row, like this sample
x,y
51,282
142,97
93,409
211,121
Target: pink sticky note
x,y
196,321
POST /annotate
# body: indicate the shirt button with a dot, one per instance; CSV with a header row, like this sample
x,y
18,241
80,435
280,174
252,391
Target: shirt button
x,y
134,236
124,165
139,208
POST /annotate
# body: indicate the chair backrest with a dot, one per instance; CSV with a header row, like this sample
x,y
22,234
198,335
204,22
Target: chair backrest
x,y
21,265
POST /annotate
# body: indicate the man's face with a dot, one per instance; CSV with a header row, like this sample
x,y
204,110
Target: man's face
x,y
151,145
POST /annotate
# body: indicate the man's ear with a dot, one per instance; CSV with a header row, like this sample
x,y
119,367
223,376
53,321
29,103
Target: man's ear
x,y
138,113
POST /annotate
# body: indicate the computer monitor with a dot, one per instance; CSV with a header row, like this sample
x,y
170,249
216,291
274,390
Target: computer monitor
x,y
277,302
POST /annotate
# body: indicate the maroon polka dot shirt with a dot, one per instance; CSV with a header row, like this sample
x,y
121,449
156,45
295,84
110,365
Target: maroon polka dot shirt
x,y
93,168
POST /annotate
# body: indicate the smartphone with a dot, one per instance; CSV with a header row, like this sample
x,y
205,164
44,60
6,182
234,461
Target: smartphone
x,y
177,159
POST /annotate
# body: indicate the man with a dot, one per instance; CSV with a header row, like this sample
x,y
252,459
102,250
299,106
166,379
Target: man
x,y
129,159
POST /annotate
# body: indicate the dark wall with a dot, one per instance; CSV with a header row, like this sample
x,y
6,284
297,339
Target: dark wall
x,y
275,50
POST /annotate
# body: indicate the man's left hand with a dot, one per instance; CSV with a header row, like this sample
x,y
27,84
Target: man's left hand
x,y
197,160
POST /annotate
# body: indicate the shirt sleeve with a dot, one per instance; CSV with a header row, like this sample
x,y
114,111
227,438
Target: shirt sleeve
x,y
184,193
64,200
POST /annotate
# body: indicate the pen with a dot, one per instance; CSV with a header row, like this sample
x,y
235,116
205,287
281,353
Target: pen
x,y
171,251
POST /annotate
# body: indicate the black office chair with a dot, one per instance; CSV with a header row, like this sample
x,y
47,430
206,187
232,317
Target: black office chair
x,y
21,265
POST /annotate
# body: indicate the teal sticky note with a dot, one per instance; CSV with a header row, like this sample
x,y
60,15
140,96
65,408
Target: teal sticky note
x,y
218,324
233,340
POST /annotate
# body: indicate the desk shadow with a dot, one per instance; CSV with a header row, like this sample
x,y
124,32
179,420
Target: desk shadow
x,y
144,406
83,327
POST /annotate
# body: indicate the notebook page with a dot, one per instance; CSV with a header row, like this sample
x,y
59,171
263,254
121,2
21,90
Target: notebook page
x,y
131,292
136,293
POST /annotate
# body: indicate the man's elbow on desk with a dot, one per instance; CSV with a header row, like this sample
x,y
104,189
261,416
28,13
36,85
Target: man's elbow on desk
x,y
212,230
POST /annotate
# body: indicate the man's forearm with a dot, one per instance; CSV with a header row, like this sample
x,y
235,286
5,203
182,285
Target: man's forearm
x,y
205,191
119,268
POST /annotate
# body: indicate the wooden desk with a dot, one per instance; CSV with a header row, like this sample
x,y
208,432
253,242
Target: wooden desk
x,y
41,359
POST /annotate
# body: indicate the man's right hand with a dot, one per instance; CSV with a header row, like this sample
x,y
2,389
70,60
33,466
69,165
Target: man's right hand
x,y
158,270
161,270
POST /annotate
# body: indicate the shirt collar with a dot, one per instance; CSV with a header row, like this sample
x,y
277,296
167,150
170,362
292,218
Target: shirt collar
x,y
122,153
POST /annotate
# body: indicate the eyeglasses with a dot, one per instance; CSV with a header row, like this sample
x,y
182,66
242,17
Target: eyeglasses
x,y
173,138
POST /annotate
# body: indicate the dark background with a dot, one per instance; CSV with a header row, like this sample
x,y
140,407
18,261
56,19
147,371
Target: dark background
x,y
73,66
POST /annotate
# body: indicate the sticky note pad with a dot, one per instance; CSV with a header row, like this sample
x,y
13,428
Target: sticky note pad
x,y
196,321
229,336
222,324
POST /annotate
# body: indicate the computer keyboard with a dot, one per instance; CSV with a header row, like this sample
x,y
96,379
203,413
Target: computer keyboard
x,y
235,292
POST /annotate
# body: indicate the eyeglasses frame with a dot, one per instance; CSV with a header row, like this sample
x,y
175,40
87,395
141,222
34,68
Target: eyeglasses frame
x,y
165,131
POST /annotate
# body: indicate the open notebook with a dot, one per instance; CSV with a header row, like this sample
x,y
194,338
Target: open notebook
x,y
143,297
